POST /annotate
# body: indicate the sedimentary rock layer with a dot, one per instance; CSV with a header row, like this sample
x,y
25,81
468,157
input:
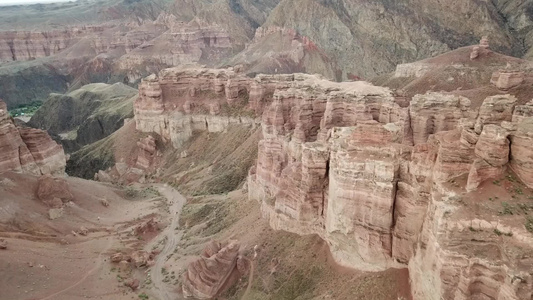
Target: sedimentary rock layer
x,y
371,172
28,150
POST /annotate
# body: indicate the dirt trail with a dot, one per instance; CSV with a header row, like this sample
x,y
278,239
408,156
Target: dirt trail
x,y
250,280
89,273
172,239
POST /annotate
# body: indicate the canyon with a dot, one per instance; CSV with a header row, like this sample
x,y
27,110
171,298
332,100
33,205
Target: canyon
x,y
386,181
64,46
321,149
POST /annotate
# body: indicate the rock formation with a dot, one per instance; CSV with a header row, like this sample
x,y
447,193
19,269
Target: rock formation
x,y
215,269
278,50
29,45
53,191
507,79
135,171
28,150
379,177
179,101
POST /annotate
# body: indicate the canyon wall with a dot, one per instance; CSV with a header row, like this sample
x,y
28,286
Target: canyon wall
x,y
387,181
28,150
29,45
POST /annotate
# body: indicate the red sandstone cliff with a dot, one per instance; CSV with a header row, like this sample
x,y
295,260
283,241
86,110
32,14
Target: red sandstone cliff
x,y
28,150
386,180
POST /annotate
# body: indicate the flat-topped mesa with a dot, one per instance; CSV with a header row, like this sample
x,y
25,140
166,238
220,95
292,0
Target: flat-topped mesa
x,y
28,150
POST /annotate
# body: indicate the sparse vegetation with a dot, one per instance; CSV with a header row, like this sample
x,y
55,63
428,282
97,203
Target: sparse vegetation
x,y
507,209
143,296
529,224
132,192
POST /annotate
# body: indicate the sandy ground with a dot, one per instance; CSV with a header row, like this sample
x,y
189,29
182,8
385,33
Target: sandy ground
x,y
46,260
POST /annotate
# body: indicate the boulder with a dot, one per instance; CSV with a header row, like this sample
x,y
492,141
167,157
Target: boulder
x,y
133,284
140,258
50,189
55,213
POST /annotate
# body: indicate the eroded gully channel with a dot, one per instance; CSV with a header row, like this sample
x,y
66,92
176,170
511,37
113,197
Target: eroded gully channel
x,y
176,201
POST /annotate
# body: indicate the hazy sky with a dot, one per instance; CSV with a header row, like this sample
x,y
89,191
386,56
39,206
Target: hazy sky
x,y
12,2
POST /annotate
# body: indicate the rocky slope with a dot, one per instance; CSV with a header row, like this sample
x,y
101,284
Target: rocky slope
x,y
276,50
369,38
28,150
473,71
436,183
85,115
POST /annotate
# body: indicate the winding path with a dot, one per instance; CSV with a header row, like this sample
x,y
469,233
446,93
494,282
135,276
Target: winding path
x,y
172,239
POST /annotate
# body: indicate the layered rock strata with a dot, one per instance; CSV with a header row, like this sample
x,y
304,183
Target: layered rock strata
x,y
28,150
379,177
177,102
215,269
29,45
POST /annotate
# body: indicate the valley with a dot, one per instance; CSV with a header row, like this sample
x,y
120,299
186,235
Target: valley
x,y
250,150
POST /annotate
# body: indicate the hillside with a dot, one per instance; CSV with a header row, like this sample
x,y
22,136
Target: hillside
x,y
85,115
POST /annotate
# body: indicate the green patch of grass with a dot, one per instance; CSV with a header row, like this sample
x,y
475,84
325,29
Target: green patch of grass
x,y
497,232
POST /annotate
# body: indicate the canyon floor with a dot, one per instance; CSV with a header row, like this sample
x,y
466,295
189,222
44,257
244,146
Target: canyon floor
x,y
49,259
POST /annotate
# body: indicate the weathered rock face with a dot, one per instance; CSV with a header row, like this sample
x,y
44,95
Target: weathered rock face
x,y
507,79
277,50
28,150
29,45
209,274
179,101
399,23
194,42
136,170
147,150
370,172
